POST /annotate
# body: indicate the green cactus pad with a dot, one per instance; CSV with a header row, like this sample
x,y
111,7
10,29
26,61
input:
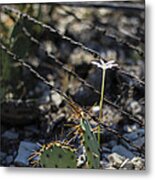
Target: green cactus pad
x,y
91,145
58,157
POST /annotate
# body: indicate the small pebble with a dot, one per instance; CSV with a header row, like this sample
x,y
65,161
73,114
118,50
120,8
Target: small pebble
x,y
57,99
138,163
115,160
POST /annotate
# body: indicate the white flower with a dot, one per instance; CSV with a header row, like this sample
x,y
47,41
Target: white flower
x,y
101,64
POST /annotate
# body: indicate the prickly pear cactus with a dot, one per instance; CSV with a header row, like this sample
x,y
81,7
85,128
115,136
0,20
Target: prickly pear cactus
x,y
91,145
61,155
57,155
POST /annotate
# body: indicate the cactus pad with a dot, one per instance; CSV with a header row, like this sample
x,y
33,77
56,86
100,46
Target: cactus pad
x,y
91,145
58,156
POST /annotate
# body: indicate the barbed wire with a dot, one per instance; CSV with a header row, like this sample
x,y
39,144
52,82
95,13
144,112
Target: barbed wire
x,y
37,75
51,56
84,82
105,33
94,53
120,109
14,57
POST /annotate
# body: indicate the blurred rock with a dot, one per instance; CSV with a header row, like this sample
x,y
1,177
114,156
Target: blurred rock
x,y
141,132
130,128
9,160
57,99
110,168
115,160
95,110
105,149
31,130
138,163
10,135
134,107
131,136
24,151
127,165
43,92
2,156
112,143
105,156
81,160
121,150
139,142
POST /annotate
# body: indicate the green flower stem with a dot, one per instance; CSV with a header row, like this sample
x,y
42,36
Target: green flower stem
x,y
101,99
102,92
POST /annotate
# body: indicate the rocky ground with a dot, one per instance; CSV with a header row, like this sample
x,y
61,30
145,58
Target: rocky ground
x,y
116,154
